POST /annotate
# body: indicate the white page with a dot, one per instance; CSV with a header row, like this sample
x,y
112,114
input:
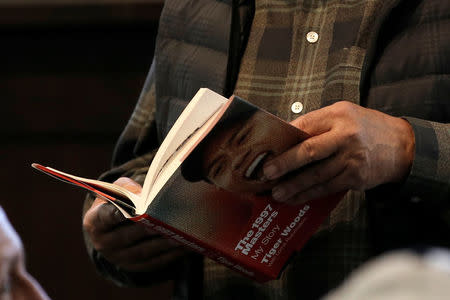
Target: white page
x,y
204,104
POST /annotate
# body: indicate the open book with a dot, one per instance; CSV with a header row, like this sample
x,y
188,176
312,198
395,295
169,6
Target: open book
x,y
205,187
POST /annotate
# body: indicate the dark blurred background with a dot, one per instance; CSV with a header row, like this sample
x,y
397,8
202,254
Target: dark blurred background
x,y
70,74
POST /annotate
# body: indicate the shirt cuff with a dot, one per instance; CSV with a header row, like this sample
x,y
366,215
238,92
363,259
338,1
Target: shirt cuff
x,y
430,171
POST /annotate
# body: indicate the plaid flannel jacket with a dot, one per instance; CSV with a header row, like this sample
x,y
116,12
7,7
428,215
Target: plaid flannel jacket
x,y
397,63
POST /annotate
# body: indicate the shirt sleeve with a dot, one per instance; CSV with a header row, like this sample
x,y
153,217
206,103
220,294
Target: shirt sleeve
x,y
132,156
429,177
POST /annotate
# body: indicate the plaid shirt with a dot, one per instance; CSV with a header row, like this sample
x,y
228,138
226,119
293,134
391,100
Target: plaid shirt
x,y
278,68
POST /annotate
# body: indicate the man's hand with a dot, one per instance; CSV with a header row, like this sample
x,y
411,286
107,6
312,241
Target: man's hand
x,y
351,148
124,243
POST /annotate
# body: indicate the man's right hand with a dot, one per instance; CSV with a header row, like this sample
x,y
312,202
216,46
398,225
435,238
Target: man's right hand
x,y
126,244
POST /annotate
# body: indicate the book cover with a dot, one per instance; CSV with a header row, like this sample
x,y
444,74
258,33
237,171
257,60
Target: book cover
x,y
215,199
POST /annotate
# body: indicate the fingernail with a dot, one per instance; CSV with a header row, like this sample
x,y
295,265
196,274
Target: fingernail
x,y
278,194
270,171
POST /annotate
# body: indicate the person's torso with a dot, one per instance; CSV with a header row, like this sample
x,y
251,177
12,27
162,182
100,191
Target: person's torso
x,y
301,56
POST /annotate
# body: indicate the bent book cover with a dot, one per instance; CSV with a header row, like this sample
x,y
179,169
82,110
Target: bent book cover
x,y
220,200
218,203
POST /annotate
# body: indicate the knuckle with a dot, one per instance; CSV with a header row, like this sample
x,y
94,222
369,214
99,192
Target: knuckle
x,y
353,131
301,122
344,107
345,110
339,108
309,151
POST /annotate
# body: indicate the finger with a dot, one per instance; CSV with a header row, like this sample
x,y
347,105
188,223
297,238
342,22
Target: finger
x,y
98,201
315,122
102,218
313,149
141,252
158,262
337,184
129,184
120,237
319,173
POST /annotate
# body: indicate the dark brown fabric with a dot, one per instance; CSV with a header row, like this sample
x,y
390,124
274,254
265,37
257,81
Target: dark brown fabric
x,y
280,67
404,72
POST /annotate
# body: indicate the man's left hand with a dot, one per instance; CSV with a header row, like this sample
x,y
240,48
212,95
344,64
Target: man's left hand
x,y
352,148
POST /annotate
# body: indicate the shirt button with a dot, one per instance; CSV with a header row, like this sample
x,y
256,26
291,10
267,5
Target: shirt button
x,y
312,37
297,107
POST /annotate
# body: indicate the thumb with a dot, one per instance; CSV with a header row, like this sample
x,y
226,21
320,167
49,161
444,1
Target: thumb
x,y
98,201
129,184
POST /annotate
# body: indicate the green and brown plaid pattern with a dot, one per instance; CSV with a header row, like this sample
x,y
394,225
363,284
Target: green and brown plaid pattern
x,y
281,67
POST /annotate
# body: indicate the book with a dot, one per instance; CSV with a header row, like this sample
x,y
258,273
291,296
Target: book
x,y
205,187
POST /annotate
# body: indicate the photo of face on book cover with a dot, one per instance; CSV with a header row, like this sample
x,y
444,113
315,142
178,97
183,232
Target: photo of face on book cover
x,y
220,190
206,187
